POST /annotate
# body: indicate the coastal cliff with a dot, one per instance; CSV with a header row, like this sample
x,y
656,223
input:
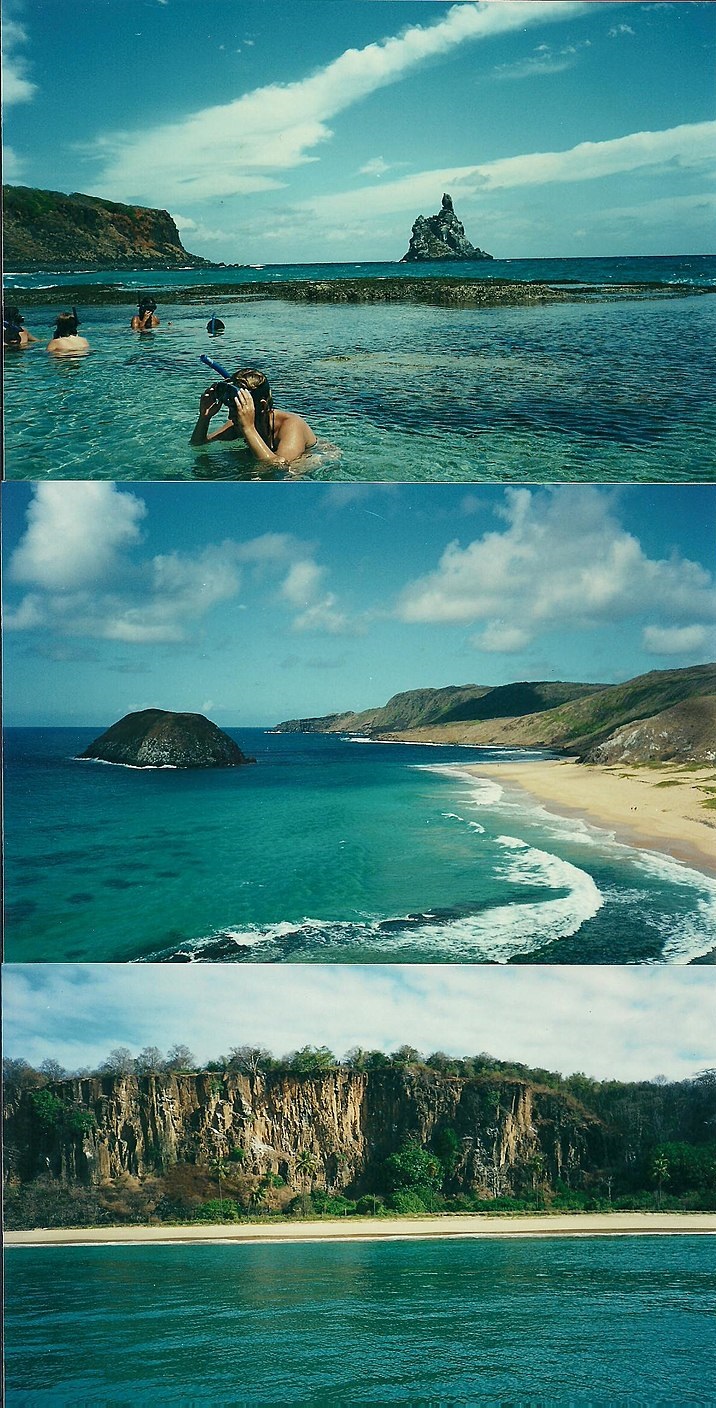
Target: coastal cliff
x,y
349,1122
661,716
51,230
155,738
441,236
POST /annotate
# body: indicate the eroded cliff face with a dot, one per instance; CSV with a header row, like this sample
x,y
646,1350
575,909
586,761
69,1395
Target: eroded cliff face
x,y
506,1132
48,229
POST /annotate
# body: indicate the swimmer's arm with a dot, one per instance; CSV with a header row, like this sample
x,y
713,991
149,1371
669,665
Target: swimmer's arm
x,y
208,406
30,338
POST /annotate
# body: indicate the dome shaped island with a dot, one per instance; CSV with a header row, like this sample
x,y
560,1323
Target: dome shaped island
x,y
158,738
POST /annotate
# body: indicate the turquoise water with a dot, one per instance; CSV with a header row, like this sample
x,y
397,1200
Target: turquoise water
x,y
606,392
330,851
588,1321
689,269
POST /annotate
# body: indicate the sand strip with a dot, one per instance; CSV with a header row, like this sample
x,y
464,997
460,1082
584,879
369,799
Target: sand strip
x,y
372,1229
631,801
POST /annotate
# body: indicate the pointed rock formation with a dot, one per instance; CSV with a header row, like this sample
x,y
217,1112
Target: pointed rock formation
x,y
441,236
157,738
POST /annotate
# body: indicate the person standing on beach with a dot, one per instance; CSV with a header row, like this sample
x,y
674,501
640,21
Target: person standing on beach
x,y
14,332
274,437
145,319
66,341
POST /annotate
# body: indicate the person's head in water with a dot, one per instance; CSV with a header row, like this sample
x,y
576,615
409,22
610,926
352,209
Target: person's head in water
x,y
147,304
257,385
12,326
67,324
215,326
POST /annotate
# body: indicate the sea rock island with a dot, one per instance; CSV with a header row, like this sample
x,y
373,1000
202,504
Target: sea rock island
x,y
158,738
441,236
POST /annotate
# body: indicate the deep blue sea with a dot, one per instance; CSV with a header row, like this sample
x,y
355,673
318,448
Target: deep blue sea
x,y
581,1321
329,850
599,391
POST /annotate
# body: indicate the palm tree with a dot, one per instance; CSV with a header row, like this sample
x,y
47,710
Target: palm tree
x,y
306,1165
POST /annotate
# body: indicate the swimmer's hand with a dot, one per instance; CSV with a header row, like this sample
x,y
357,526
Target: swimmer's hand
x,y
243,409
208,404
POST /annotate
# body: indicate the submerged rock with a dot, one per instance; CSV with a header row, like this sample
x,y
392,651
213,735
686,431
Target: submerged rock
x,y
441,236
158,738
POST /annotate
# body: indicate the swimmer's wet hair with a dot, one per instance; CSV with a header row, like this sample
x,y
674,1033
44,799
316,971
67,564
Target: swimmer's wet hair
x,y
147,304
67,324
257,384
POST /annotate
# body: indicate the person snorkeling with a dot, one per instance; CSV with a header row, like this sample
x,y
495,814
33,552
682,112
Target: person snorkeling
x,y
215,327
146,318
14,332
66,341
274,437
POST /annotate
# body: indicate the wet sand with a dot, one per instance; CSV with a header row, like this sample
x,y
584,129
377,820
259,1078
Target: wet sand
x,y
655,809
374,1229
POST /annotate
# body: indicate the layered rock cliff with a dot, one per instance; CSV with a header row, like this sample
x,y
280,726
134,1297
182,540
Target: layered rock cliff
x,y
349,1121
441,236
156,738
51,230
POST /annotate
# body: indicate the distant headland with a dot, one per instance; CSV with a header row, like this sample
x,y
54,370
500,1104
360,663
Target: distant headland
x,y
48,229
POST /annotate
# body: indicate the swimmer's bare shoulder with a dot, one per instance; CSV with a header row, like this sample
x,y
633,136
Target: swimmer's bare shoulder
x,y
68,346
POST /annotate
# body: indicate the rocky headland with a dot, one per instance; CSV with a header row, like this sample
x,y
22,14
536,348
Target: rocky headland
x,y
158,738
666,715
441,236
51,230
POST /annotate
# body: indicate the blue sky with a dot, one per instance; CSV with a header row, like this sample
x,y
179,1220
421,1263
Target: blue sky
x,y
288,132
253,604
630,1024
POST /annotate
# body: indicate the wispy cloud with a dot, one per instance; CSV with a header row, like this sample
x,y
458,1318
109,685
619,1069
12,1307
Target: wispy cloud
x,y
563,561
544,60
17,87
628,1024
689,146
246,145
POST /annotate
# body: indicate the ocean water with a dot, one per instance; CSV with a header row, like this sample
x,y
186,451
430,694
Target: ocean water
x,y
578,1321
329,850
613,392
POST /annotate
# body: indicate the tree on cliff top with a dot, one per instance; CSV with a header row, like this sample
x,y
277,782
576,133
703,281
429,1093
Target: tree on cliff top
x,y
250,1060
310,1061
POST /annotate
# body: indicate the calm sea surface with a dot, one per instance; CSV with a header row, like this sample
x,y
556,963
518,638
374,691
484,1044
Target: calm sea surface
x,y
583,1321
616,391
329,850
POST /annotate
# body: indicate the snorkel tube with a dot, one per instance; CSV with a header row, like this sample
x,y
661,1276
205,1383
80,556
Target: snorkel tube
x,y
216,367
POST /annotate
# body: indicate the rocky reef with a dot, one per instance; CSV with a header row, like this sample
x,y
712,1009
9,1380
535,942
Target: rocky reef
x,y
158,738
441,236
51,230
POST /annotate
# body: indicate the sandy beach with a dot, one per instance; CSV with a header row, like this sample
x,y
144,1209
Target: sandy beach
x,y
374,1229
657,809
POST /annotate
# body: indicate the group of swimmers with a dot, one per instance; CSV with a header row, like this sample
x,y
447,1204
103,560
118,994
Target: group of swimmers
x,y
275,438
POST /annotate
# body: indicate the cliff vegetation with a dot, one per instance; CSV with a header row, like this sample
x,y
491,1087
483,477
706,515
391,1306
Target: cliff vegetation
x,y
153,1138
51,230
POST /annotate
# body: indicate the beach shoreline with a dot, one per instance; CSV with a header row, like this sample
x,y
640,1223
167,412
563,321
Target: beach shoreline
x,y
628,800
442,1226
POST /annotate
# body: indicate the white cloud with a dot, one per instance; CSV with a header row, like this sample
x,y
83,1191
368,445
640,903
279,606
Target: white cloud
x,y
689,146
563,560
231,148
74,533
74,555
681,640
619,29
319,610
302,582
542,62
13,166
16,86
375,167
612,1023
